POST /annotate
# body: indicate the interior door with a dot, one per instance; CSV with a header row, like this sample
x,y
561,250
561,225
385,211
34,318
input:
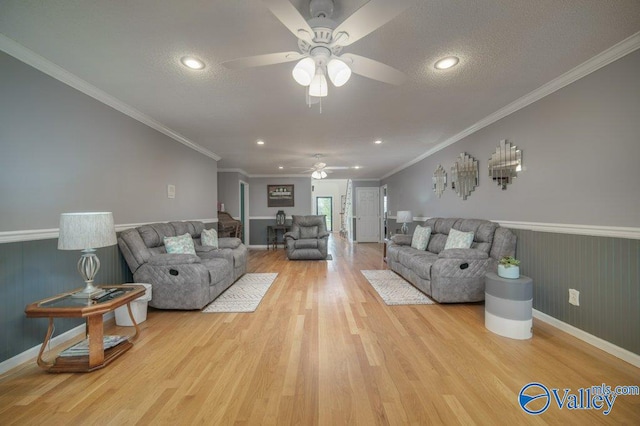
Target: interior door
x,y
368,215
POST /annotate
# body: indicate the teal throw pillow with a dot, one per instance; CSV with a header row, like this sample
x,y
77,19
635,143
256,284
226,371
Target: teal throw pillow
x,y
209,237
182,244
459,239
420,238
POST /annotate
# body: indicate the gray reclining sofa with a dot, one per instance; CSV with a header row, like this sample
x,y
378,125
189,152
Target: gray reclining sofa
x,y
453,275
182,281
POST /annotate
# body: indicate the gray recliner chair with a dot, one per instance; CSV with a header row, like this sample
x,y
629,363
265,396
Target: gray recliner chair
x,y
308,238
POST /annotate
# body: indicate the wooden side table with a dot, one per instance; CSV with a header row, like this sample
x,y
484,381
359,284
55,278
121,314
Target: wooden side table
x,y
384,249
66,306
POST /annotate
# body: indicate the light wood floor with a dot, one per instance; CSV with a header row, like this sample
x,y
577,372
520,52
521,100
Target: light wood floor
x,y
322,348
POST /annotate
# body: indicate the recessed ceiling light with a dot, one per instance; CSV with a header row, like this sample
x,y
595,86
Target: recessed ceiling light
x,y
356,167
280,167
447,62
191,62
378,142
261,142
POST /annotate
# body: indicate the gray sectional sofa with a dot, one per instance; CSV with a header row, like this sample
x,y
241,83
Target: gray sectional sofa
x,y
182,281
453,275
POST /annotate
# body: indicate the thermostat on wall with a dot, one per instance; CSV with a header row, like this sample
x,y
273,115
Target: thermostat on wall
x,y
171,191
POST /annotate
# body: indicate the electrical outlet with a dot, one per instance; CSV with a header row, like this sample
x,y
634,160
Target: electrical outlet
x,y
171,191
574,297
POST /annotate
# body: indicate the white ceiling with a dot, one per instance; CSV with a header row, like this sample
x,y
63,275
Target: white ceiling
x,y
131,51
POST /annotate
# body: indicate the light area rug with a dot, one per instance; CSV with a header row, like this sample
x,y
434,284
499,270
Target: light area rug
x,y
243,296
394,290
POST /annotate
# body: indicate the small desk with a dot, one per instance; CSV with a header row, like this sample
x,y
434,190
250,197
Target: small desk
x,y
272,235
66,306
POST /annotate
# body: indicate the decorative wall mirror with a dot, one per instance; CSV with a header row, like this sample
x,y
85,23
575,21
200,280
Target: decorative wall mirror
x,y
439,180
505,164
464,175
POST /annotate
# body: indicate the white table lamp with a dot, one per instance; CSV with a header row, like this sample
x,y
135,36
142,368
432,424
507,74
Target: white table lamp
x,y
87,232
404,217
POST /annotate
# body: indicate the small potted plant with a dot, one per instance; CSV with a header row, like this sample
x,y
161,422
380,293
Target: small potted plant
x,y
509,267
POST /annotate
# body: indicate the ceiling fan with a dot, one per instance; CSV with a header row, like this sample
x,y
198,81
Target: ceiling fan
x,y
320,44
320,169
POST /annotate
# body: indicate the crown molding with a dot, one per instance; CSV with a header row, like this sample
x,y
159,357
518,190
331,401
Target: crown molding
x,y
234,171
602,59
31,58
299,176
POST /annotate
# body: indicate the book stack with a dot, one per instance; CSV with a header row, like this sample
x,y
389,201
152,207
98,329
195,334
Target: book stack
x,y
82,348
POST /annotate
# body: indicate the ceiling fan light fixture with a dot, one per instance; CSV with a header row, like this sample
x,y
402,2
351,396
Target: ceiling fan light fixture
x,y
311,100
318,86
339,72
319,174
304,71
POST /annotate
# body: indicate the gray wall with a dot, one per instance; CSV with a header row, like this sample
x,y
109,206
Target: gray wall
x,y
61,151
258,208
258,196
229,191
64,151
581,147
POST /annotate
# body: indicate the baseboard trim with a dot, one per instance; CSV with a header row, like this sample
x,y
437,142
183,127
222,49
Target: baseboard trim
x,y
47,234
608,347
259,247
32,353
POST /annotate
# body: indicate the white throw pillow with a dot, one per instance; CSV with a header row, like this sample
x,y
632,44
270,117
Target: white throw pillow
x,y
182,244
459,239
420,238
209,237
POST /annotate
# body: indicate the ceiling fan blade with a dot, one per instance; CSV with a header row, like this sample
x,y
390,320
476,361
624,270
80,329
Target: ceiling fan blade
x,y
374,69
337,168
291,18
368,18
262,60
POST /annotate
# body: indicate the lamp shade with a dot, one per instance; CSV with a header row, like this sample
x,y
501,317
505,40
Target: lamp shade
x,y
318,85
304,71
404,216
80,231
339,72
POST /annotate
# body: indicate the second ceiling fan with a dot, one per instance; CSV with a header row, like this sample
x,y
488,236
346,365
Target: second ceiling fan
x,y
321,40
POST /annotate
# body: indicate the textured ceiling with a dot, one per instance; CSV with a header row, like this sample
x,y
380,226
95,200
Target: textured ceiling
x,y
131,50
